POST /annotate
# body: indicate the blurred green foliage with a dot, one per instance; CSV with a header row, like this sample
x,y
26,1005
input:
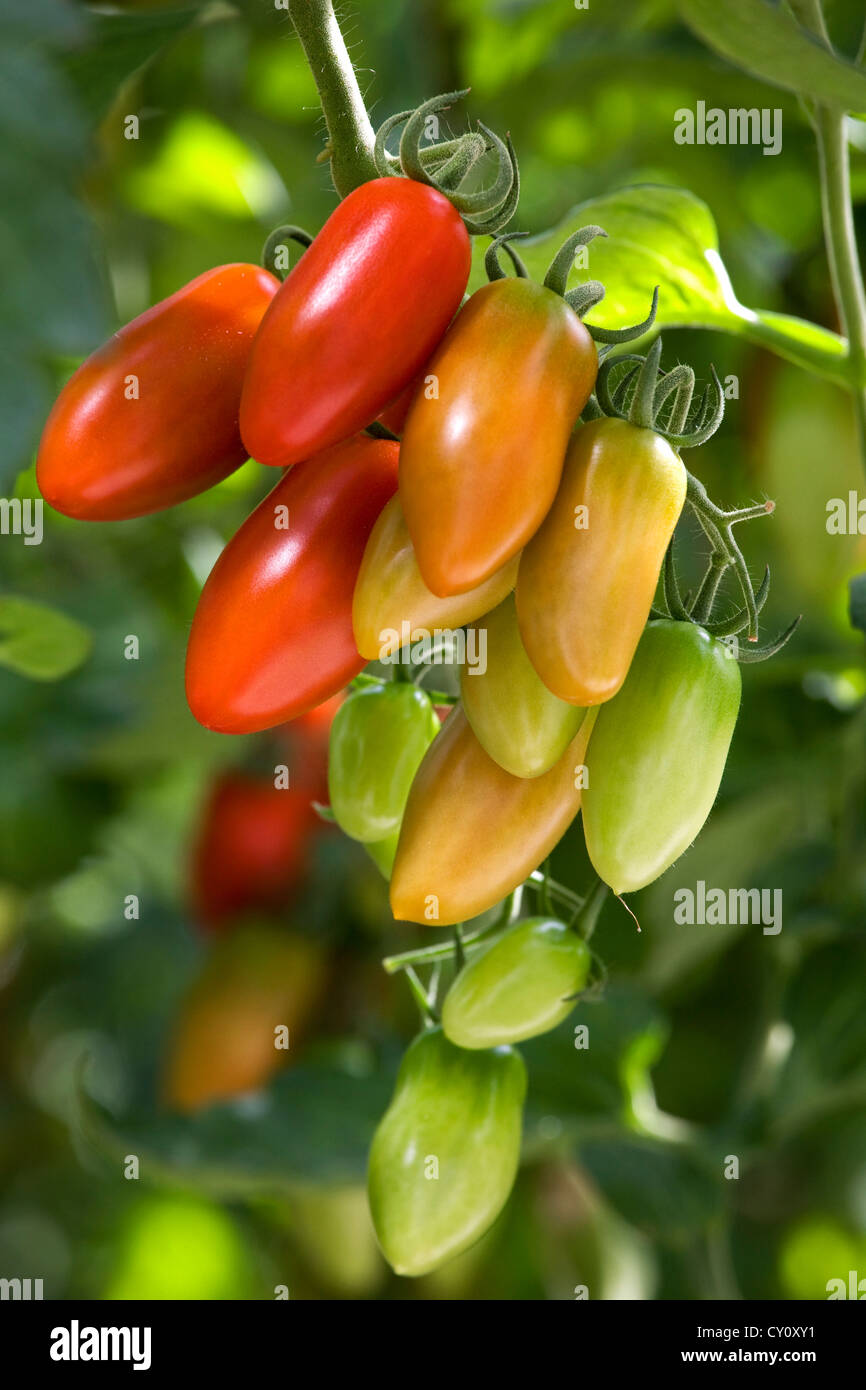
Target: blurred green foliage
x,y
711,1041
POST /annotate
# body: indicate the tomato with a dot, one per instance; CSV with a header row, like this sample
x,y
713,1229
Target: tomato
x,y
472,832
588,576
254,982
151,418
515,718
392,604
251,847
658,753
520,986
480,464
272,633
355,320
444,1158
378,738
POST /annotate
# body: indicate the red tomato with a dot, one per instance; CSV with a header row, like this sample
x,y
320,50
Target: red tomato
x,y
151,418
251,847
355,320
272,633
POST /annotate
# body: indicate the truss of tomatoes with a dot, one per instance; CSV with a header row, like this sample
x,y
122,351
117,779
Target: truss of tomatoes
x,y
532,494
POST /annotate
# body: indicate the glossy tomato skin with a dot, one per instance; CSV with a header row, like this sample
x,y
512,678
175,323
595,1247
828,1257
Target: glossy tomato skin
x,y
584,592
355,320
472,832
255,980
392,605
658,754
465,1109
272,634
480,463
522,985
516,719
251,848
107,454
378,739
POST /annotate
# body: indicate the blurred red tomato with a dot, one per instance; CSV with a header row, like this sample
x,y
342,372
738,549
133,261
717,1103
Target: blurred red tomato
x,y
251,848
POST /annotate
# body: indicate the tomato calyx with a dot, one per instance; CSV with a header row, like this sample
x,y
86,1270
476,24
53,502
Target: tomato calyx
x,y
275,252
581,299
446,165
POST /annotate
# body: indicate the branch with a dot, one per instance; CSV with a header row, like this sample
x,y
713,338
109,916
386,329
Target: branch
x,y
350,134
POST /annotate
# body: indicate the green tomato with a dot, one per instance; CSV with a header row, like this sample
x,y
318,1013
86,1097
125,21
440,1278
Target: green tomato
x,y
516,719
378,739
518,987
657,753
445,1154
383,853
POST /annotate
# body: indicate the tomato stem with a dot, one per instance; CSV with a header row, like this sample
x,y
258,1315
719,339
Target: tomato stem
x,y
587,918
350,134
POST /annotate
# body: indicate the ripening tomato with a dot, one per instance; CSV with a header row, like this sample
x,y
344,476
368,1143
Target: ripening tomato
x,y
355,320
251,847
225,1041
521,985
462,1112
392,605
378,738
515,718
481,460
658,753
472,832
151,418
588,576
272,633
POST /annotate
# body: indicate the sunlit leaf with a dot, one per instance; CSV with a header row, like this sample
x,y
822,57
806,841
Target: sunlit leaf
x,y
39,642
767,41
667,237
204,168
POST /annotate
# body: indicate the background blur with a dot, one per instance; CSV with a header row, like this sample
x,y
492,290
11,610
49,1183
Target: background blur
x,y
712,1040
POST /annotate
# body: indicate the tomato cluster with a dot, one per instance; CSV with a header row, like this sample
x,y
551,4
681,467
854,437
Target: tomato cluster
x,y
541,529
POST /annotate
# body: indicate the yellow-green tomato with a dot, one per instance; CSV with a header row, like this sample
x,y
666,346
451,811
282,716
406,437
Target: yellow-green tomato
x,y
523,984
444,1158
378,738
587,578
516,719
658,753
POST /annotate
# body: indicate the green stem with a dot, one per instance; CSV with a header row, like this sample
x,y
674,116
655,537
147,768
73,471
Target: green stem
x,y
839,234
350,135
842,255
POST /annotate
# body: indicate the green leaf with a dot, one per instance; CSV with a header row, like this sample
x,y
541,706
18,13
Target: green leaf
x,y
118,45
767,41
54,301
857,601
666,1191
667,237
314,1124
39,642
625,1035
